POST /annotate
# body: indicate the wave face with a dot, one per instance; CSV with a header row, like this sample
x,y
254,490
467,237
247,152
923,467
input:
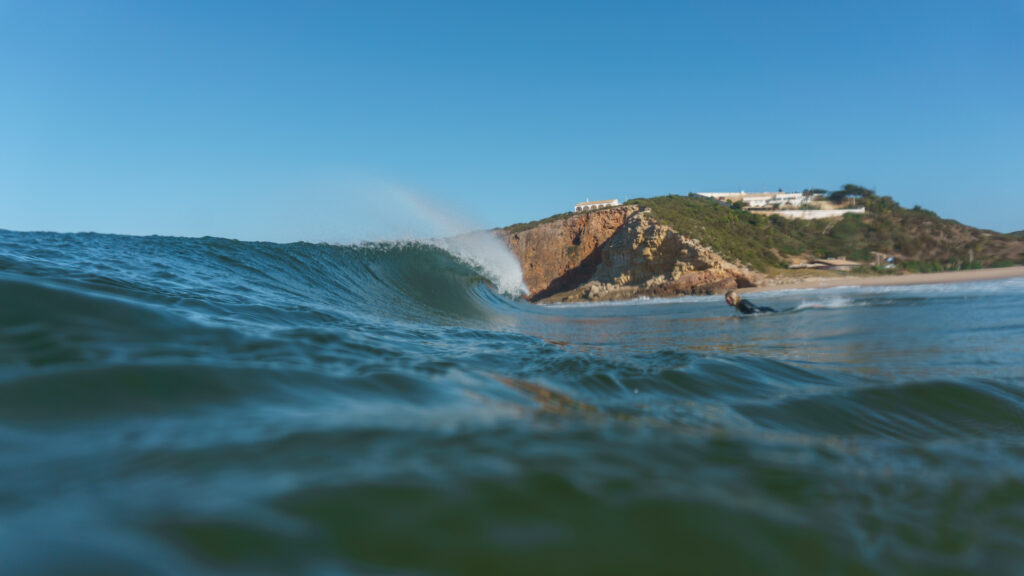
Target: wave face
x,y
205,406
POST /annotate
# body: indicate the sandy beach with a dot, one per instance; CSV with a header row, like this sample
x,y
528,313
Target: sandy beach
x,y
812,282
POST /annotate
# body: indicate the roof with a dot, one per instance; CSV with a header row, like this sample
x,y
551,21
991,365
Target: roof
x,y
597,202
748,195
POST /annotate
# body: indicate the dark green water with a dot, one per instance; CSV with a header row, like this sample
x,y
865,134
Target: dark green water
x,y
203,406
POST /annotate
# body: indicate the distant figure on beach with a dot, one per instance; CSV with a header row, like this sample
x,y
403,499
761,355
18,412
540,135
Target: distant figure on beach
x,y
745,306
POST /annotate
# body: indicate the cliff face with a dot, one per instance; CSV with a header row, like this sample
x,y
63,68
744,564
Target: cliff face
x,y
559,256
617,254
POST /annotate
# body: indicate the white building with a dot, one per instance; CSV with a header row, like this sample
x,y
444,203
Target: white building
x,y
817,214
759,200
724,196
588,205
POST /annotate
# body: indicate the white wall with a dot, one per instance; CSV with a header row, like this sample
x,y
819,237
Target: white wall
x,y
815,214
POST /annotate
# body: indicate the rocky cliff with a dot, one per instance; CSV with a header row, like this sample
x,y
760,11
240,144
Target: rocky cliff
x,y
615,254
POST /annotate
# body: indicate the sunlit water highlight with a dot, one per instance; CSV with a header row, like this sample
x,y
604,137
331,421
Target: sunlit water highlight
x,y
204,406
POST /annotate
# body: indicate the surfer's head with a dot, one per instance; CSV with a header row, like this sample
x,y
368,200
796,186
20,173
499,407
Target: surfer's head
x,y
732,298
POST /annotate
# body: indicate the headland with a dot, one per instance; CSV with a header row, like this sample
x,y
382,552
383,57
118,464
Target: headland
x,y
706,244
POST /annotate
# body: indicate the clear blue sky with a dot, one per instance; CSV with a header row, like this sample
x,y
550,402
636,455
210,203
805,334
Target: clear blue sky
x,y
337,121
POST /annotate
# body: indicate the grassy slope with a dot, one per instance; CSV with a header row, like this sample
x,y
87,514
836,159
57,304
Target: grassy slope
x,y
921,239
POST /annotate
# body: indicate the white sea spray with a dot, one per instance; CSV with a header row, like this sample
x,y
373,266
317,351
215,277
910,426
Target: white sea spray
x,y
491,256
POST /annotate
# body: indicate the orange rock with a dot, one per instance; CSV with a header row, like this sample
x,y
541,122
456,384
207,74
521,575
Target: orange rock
x,y
617,254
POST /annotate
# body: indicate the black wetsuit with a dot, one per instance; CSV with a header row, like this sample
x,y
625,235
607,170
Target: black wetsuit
x,y
748,307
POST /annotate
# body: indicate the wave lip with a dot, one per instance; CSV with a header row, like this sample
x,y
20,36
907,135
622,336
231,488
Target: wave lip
x,y
216,278
492,256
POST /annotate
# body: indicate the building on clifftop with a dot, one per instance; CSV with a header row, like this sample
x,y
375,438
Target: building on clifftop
x,y
759,200
588,205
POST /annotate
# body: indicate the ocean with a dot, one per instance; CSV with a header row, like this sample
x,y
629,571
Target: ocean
x,y
207,406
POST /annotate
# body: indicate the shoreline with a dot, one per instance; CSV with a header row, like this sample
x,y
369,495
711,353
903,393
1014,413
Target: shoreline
x,y
816,282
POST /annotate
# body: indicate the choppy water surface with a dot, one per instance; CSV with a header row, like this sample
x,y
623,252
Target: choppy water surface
x,y
204,406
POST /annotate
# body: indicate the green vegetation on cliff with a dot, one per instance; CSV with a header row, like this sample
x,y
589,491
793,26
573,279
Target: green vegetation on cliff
x,y
921,240
516,228
735,234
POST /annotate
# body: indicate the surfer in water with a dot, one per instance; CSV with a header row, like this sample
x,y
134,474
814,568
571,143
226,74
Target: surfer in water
x,y
745,306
